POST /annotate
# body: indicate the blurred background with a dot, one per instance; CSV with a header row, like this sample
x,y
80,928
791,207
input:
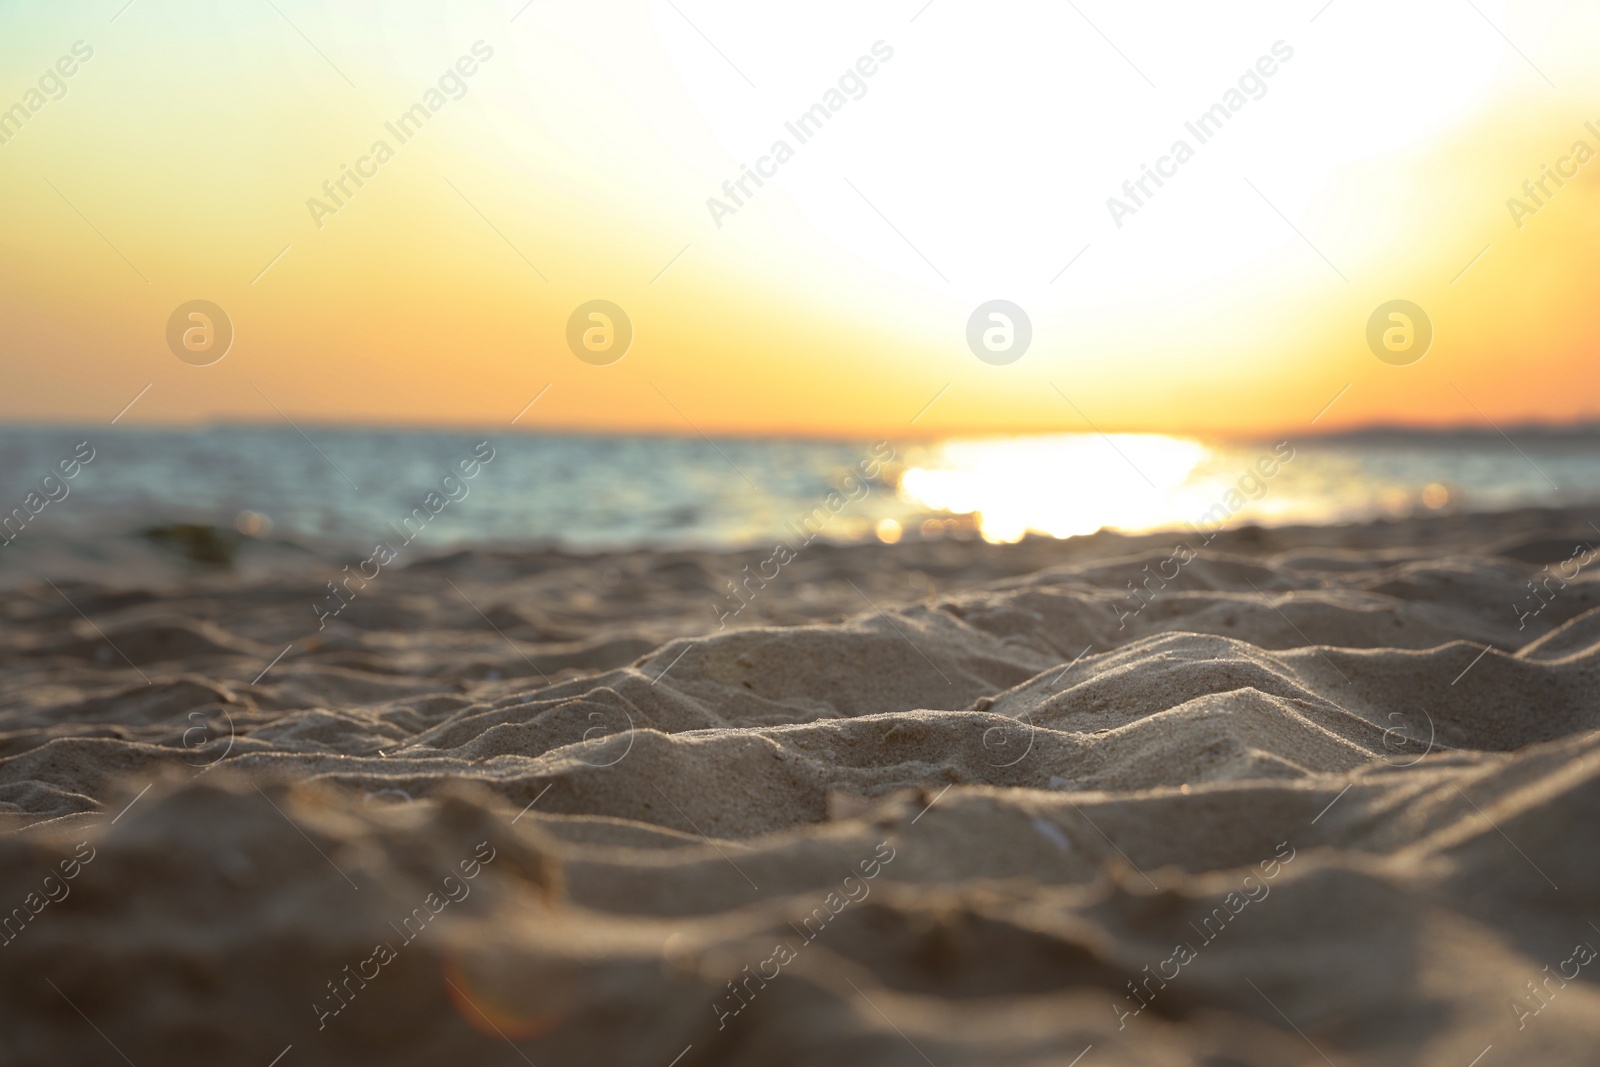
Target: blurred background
x,y
394,217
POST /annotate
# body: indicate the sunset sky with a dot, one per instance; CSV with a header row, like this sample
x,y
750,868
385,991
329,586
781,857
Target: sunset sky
x,y
974,163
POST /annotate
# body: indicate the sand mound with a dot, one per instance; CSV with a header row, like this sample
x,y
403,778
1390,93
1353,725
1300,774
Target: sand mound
x,y
1319,797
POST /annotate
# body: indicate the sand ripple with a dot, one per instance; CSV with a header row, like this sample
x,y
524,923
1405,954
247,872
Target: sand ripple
x,y
1325,798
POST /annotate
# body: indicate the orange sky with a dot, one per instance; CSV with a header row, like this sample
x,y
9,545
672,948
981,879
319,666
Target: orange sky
x,y
577,162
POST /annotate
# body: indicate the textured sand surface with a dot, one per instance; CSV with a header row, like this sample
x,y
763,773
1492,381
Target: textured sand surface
x,y
1330,796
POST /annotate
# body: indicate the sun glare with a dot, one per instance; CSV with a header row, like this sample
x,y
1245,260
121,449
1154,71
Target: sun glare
x,y
1061,485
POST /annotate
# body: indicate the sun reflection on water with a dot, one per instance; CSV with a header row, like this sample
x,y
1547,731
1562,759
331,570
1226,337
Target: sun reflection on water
x,y
1067,485
1076,483
1064,484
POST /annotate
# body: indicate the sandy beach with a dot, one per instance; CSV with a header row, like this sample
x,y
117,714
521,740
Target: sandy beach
x,y
1297,795
708,534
